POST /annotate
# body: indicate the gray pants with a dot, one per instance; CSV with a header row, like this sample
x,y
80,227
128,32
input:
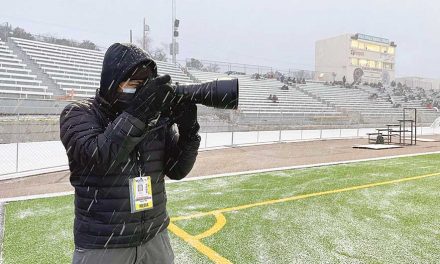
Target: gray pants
x,y
157,250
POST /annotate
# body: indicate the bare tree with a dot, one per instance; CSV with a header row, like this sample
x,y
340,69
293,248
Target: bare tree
x,y
87,44
148,43
159,54
212,67
195,64
21,33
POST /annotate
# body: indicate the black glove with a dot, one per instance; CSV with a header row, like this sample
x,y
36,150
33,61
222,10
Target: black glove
x,y
185,116
151,99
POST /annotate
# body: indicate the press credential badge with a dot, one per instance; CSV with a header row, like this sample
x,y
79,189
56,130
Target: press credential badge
x,y
141,196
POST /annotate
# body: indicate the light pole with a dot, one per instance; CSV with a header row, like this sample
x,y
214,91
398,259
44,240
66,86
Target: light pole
x,y
174,47
146,29
6,30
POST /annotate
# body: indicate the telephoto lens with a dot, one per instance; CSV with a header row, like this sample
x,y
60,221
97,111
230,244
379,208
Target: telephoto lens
x,y
220,93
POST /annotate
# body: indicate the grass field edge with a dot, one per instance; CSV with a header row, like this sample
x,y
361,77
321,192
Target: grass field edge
x,y
2,228
196,178
314,165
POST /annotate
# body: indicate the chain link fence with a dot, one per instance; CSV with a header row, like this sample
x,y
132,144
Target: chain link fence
x,y
37,156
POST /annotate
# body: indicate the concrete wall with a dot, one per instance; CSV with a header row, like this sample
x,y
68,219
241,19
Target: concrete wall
x,y
29,130
332,55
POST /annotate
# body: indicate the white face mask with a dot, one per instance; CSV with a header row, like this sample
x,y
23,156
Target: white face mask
x,y
129,90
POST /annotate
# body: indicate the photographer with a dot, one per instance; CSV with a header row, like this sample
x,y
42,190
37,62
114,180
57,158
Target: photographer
x,y
120,146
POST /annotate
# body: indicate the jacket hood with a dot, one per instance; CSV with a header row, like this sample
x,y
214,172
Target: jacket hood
x,y
120,60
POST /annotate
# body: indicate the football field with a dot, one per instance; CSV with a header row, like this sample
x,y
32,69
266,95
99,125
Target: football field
x,y
383,211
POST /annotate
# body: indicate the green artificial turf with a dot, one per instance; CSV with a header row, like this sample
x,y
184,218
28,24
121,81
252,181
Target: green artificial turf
x,y
395,223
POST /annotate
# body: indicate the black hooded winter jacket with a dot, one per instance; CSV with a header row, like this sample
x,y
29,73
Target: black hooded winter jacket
x,y
106,148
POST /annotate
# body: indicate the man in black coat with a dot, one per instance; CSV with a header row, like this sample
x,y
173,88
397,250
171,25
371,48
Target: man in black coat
x,y
120,146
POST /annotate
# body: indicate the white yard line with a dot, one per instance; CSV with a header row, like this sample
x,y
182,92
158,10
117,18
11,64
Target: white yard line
x,y
35,196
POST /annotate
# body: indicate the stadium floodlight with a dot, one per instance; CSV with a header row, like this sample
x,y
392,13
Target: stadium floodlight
x,y
7,32
146,29
174,32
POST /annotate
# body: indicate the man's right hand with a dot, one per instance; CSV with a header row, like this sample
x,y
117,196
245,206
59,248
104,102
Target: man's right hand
x,y
151,99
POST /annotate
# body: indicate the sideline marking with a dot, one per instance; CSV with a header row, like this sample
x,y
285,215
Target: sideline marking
x,y
250,172
35,196
219,224
303,196
195,242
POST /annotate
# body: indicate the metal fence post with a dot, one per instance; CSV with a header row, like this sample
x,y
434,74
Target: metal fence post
x,y
16,160
232,138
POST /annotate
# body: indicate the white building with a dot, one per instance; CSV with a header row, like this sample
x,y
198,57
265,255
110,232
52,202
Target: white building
x,y
372,59
425,83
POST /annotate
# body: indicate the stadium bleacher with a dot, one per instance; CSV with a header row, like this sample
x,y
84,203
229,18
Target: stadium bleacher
x,y
292,103
78,69
70,68
74,73
427,115
16,80
355,101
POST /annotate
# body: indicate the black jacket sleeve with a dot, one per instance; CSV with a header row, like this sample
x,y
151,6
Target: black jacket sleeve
x,y
181,154
90,144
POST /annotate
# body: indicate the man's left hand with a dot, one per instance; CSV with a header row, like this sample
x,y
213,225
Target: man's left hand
x,y
186,121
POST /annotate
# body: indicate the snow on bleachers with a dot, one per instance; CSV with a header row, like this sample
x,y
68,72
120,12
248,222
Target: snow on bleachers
x,y
426,114
355,100
69,67
79,69
254,102
16,80
177,75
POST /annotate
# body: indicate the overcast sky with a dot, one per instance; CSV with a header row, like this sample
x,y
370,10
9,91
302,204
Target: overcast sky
x,y
274,33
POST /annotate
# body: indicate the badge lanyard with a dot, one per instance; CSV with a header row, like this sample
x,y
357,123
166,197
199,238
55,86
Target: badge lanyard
x,y
141,195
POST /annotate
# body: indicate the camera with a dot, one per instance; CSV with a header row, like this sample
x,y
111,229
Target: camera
x,y
220,93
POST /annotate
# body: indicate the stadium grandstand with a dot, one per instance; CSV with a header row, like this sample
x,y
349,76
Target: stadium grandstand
x,y
293,105
17,80
40,78
274,139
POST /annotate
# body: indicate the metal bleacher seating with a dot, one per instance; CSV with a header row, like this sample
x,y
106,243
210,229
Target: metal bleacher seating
x,y
425,115
75,72
70,68
16,80
355,101
177,75
292,104
76,69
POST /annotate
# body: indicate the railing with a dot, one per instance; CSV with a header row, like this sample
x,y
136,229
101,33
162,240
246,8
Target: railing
x,y
35,157
222,66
